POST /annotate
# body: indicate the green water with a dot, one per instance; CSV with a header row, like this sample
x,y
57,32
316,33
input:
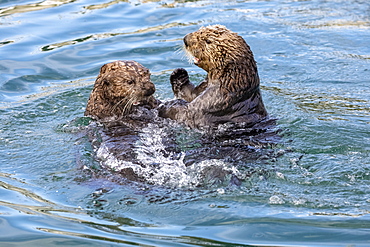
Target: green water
x,y
314,64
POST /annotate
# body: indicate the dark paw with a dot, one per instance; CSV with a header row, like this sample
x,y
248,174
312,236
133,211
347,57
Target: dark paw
x,y
179,77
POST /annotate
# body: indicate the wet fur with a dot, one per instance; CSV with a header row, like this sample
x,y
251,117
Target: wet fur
x,y
122,101
120,87
123,91
229,94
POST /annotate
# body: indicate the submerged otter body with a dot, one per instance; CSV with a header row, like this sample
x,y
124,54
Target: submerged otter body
x,y
229,94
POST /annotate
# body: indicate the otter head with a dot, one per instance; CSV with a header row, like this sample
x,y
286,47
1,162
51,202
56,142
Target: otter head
x,y
120,86
214,47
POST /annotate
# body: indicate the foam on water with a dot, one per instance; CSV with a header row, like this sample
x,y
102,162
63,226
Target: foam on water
x,y
160,166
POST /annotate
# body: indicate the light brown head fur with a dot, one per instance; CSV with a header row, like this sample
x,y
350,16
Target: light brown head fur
x,y
225,56
120,86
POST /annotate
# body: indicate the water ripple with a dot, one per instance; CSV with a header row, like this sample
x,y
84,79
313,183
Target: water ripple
x,y
313,60
18,9
108,35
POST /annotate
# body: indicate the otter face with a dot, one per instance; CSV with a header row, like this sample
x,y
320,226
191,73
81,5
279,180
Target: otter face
x,y
215,46
120,86
126,82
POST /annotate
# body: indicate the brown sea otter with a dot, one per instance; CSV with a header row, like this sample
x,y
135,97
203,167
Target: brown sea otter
x,y
229,94
122,101
120,87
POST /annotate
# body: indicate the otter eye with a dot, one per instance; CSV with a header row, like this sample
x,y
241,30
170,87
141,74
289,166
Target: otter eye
x,y
208,41
130,82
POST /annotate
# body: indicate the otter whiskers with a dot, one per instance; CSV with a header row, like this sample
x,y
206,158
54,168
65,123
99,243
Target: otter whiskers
x,y
125,102
128,106
184,53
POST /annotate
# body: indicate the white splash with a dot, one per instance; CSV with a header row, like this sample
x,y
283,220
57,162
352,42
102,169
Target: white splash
x,y
161,167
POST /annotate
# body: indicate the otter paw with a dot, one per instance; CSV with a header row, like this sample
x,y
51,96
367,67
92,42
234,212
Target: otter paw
x,y
179,77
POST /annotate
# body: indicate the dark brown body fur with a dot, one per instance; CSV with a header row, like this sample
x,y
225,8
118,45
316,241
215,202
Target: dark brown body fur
x,y
229,94
120,86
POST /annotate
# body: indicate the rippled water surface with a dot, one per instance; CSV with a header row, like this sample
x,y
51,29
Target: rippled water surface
x,y
314,64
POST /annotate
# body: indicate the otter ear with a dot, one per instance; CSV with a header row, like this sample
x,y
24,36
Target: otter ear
x,y
103,69
102,81
105,82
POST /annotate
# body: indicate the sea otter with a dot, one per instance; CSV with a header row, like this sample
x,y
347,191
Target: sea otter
x,y
123,103
231,91
120,88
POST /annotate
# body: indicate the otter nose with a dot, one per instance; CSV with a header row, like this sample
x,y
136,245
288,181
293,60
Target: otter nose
x,y
186,39
149,90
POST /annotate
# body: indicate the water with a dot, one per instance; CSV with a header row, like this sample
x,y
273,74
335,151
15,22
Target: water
x,y
313,60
